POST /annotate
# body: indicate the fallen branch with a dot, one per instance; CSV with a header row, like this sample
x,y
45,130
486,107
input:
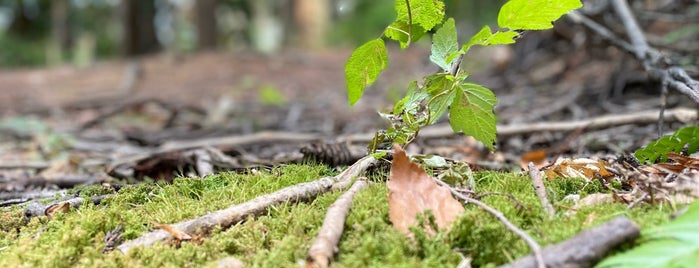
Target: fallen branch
x,y
586,248
36,209
25,165
540,190
321,252
673,77
600,122
237,213
536,249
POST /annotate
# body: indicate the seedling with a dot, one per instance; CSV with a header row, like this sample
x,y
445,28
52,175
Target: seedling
x,y
470,105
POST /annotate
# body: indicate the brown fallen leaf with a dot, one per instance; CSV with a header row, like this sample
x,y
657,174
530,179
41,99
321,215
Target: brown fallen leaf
x,y
412,191
578,168
538,157
177,234
55,208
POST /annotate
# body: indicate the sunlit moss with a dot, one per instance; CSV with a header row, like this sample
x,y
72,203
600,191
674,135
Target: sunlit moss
x,y
281,238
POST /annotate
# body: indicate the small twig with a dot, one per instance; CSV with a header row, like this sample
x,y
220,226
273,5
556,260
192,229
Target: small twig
x,y
36,209
635,34
324,247
540,190
536,249
24,165
600,122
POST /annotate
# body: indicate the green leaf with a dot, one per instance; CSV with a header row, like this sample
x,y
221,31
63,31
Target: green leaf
x,y
412,100
440,88
364,66
534,14
425,15
674,244
472,113
399,31
688,136
485,37
444,43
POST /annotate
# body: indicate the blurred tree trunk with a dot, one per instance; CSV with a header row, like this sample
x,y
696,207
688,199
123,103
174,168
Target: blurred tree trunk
x,y
60,29
312,18
207,32
138,27
20,23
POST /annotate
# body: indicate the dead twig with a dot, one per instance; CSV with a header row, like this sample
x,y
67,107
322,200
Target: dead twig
x,y
536,249
36,209
586,248
321,252
237,213
600,122
540,190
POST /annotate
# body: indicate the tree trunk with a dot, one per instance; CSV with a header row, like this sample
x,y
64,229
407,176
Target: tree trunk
x,y
313,19
207,32
138,27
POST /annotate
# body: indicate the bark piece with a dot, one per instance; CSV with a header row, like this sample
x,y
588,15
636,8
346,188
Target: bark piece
x,y
586,248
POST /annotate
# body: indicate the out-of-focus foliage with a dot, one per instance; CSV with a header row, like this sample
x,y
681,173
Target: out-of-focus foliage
x,y
95,26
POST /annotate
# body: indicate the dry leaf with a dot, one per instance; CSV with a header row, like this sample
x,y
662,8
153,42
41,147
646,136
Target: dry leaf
x,y
412,191
578,168
55,208
538,157
177,234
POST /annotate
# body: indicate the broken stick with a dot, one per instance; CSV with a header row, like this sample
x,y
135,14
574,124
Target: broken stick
x,y
255,207
540,190
325,245
586,248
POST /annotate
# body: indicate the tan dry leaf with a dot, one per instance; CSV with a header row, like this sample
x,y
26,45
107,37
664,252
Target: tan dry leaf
x,y
177,234
578,168
538,157
412,191
55,208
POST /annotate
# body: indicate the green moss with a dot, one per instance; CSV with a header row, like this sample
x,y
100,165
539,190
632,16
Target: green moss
x,y
281,238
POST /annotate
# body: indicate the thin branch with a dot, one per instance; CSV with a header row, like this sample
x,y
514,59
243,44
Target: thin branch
x,y
648,117
321,252
540,190
536,249
635,34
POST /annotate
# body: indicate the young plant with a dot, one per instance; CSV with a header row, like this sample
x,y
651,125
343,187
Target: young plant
x,y
683,139
470,105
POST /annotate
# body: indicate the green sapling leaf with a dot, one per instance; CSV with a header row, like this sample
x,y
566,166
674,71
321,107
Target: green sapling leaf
x,y
424,15
412,100
441,89
399,31
485,37
534,14
444,44
472,113
364,66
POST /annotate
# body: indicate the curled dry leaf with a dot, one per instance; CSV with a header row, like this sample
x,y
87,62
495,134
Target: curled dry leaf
x,y
55,208
177,234
538,157
578,168
412,191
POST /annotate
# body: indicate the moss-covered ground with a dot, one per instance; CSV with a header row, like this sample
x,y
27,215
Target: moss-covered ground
x,y
281,238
